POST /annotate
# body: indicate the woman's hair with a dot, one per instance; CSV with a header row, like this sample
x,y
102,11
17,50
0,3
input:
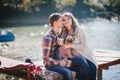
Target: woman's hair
x,y
53,17
75,23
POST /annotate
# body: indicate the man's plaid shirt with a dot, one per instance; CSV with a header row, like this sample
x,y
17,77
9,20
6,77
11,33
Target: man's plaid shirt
x,y
49,40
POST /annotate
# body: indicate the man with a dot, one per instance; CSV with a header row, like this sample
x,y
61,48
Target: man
x,y
49,44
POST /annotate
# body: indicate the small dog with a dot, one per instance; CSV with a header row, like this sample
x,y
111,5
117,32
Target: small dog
x,y
66,52
69,39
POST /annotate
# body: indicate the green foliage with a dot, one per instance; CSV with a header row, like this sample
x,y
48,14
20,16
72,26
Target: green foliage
x,y
61,4
36,5
25,5
94,3
111,3
78,7
104,5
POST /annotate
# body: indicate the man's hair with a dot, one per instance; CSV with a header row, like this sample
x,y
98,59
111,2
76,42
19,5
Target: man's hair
x,y
53,17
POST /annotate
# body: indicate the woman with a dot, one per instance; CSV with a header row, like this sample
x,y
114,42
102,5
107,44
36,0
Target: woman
x,y
80,47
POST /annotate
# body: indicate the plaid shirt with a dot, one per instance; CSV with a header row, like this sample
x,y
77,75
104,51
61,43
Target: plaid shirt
x,y
49,40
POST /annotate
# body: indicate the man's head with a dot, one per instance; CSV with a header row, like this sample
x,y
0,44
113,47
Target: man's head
x,y
55,20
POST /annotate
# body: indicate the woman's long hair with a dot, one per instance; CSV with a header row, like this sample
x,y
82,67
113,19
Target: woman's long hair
x,y
75,22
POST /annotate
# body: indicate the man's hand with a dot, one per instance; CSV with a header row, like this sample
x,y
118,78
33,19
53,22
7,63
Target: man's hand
x,y
62,63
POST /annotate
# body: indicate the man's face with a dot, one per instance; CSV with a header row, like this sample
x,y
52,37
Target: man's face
x,y
60,23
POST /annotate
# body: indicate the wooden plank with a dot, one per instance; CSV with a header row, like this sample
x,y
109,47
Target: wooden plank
x,y
101,62
105,51
105,56
101,54
104,59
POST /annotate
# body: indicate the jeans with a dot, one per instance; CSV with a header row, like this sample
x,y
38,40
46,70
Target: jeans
x,y
93,70
85,69
67,74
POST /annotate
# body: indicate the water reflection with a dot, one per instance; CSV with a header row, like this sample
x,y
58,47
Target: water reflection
x,y
104,35
27,43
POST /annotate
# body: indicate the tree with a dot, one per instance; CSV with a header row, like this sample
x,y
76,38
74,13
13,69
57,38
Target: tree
x,y
112,6
109,6
81,9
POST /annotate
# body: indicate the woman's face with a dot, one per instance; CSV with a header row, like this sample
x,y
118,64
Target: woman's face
x,y
67,22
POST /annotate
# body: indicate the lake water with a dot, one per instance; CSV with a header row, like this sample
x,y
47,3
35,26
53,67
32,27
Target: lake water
x,y
101,34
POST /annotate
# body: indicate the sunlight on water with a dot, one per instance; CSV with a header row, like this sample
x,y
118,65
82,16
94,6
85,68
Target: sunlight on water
x,y
104,35
27,43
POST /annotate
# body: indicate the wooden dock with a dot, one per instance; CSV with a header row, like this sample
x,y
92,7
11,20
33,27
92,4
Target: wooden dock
x,y
105,59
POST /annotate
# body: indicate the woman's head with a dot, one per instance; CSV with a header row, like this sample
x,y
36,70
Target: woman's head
x,y
69,21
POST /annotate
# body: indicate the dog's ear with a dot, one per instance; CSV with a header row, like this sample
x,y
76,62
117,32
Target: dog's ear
x,y
73,34
73,38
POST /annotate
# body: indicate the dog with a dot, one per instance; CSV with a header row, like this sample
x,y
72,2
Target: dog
x,y
69,39
66,52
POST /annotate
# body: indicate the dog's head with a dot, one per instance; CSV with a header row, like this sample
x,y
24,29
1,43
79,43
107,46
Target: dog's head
x,y
69,39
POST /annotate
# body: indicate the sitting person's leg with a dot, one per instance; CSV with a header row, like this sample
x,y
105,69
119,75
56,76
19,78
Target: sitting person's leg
x,y
80,75
82,68
67,74
93,70
89,68
76,66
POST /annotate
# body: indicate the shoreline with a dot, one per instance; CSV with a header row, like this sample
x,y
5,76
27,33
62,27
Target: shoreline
x,y
37,21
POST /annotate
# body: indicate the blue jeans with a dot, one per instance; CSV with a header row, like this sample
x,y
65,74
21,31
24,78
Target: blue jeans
x,y
93,70
67,73
85,69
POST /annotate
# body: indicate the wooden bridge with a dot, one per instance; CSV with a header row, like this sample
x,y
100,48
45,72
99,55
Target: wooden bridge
x,y
104,58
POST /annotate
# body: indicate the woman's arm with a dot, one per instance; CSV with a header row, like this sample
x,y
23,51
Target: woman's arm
x,y
80,40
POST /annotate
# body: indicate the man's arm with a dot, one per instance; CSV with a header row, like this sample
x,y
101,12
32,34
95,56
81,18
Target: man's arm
x,y
46,46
